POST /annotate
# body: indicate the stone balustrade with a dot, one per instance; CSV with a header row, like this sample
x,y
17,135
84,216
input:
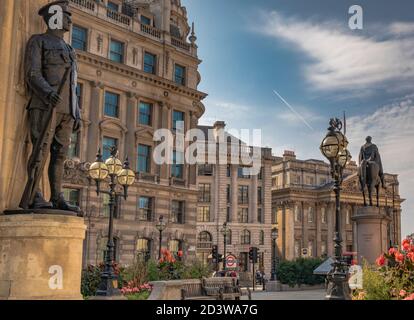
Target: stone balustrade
x,y
130,23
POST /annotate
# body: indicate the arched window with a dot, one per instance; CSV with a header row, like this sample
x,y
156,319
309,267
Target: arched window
x,y
262,238
205,240
245,237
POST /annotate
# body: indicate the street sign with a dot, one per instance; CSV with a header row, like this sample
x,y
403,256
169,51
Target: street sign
x,y
231,262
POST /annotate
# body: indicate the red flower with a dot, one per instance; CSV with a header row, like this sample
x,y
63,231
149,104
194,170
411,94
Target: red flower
x,y
403,293
406,244
380,260
410,256
399,257
410,297
180,253
392,251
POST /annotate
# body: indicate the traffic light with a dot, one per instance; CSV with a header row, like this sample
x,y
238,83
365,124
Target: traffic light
x,y
253,254
214,253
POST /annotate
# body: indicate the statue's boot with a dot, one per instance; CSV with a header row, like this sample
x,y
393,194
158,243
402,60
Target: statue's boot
x,y
39,202
61,204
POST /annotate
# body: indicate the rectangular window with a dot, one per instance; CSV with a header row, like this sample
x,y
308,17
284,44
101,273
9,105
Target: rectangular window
x,y
144,158
274,215
243,215
145,20
298,217
259,195
79,38
203,214
73,151
113,6
228,171
243,173
228,217
111,104
260,215
72,196
145,209
177,214
178,120
323,215
179,75
79,94
150,61
205,170
310,215
204,192
177,168
108,143
145,113
116,53
243,195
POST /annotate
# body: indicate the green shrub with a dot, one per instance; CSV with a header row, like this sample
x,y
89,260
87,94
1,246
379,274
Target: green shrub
x,y
91,277
299,272
375,288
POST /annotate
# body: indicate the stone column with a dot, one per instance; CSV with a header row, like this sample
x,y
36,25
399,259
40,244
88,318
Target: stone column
x,y
330,215
131,120
95,115
318,222
234,193
164,124
283,231
253,200
354,230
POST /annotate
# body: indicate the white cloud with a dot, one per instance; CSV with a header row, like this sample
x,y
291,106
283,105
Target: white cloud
x,y
392,129
344,59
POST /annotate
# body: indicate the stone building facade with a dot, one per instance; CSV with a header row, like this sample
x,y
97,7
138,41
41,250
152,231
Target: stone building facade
x,y
227,194
138,72
303,207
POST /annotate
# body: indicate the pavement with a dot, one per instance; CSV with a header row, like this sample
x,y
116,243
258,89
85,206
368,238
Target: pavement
x,y
289,295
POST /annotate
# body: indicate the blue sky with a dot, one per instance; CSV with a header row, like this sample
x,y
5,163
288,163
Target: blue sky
x,y
306,51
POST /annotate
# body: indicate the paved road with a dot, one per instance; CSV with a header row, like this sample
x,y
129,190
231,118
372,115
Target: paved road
x,y
290,295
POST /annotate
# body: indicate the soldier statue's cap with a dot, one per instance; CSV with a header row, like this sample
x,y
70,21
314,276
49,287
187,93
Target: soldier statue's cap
x,y
44,11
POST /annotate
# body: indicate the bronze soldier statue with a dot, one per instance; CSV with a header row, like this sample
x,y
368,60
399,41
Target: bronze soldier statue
x,y
371,173
51,79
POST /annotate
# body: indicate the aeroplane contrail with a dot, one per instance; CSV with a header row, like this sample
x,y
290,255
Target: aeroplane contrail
x,y
293,110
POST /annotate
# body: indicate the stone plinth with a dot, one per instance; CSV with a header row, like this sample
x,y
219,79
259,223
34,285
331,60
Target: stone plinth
x,y
41,257
273,286
372,237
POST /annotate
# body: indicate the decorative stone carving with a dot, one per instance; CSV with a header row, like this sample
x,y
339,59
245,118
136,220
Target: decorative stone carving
x,y
75,172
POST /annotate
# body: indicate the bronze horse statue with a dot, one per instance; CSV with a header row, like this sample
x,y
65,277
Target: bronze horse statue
x,y
370,171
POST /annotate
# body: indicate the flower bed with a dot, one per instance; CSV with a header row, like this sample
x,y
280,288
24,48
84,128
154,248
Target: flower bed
x,y
393,276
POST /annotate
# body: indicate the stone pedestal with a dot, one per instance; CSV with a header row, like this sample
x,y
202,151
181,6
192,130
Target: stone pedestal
x,y
41,257
372,237
273,286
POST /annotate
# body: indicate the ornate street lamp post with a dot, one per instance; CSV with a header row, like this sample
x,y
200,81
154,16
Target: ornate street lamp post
x,y
225,231
161,225
333,147
124,176
275,235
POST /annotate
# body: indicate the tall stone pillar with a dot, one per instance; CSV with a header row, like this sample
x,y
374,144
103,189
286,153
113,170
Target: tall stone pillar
x,y
318,222
95,114
354,230
371,233
131,120
234,193
253,200
330,214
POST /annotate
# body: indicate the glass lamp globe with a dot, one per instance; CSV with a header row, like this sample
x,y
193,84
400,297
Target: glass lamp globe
x,y
98,170
225,230
275,234
161,225
344,157
126,177
114,165
330,146
343,141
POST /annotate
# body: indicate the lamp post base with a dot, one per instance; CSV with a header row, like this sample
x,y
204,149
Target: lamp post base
x,y
338,288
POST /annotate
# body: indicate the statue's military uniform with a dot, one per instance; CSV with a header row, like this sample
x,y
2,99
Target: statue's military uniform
x,y
369,152
47,58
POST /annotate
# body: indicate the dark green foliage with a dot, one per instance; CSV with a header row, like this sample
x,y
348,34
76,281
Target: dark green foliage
x,y
299,272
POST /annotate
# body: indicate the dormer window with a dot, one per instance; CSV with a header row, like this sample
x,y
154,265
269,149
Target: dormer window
x,y
113,6
175,31
145,20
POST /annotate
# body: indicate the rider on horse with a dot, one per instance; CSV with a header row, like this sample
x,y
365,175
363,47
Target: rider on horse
x,y
369,152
